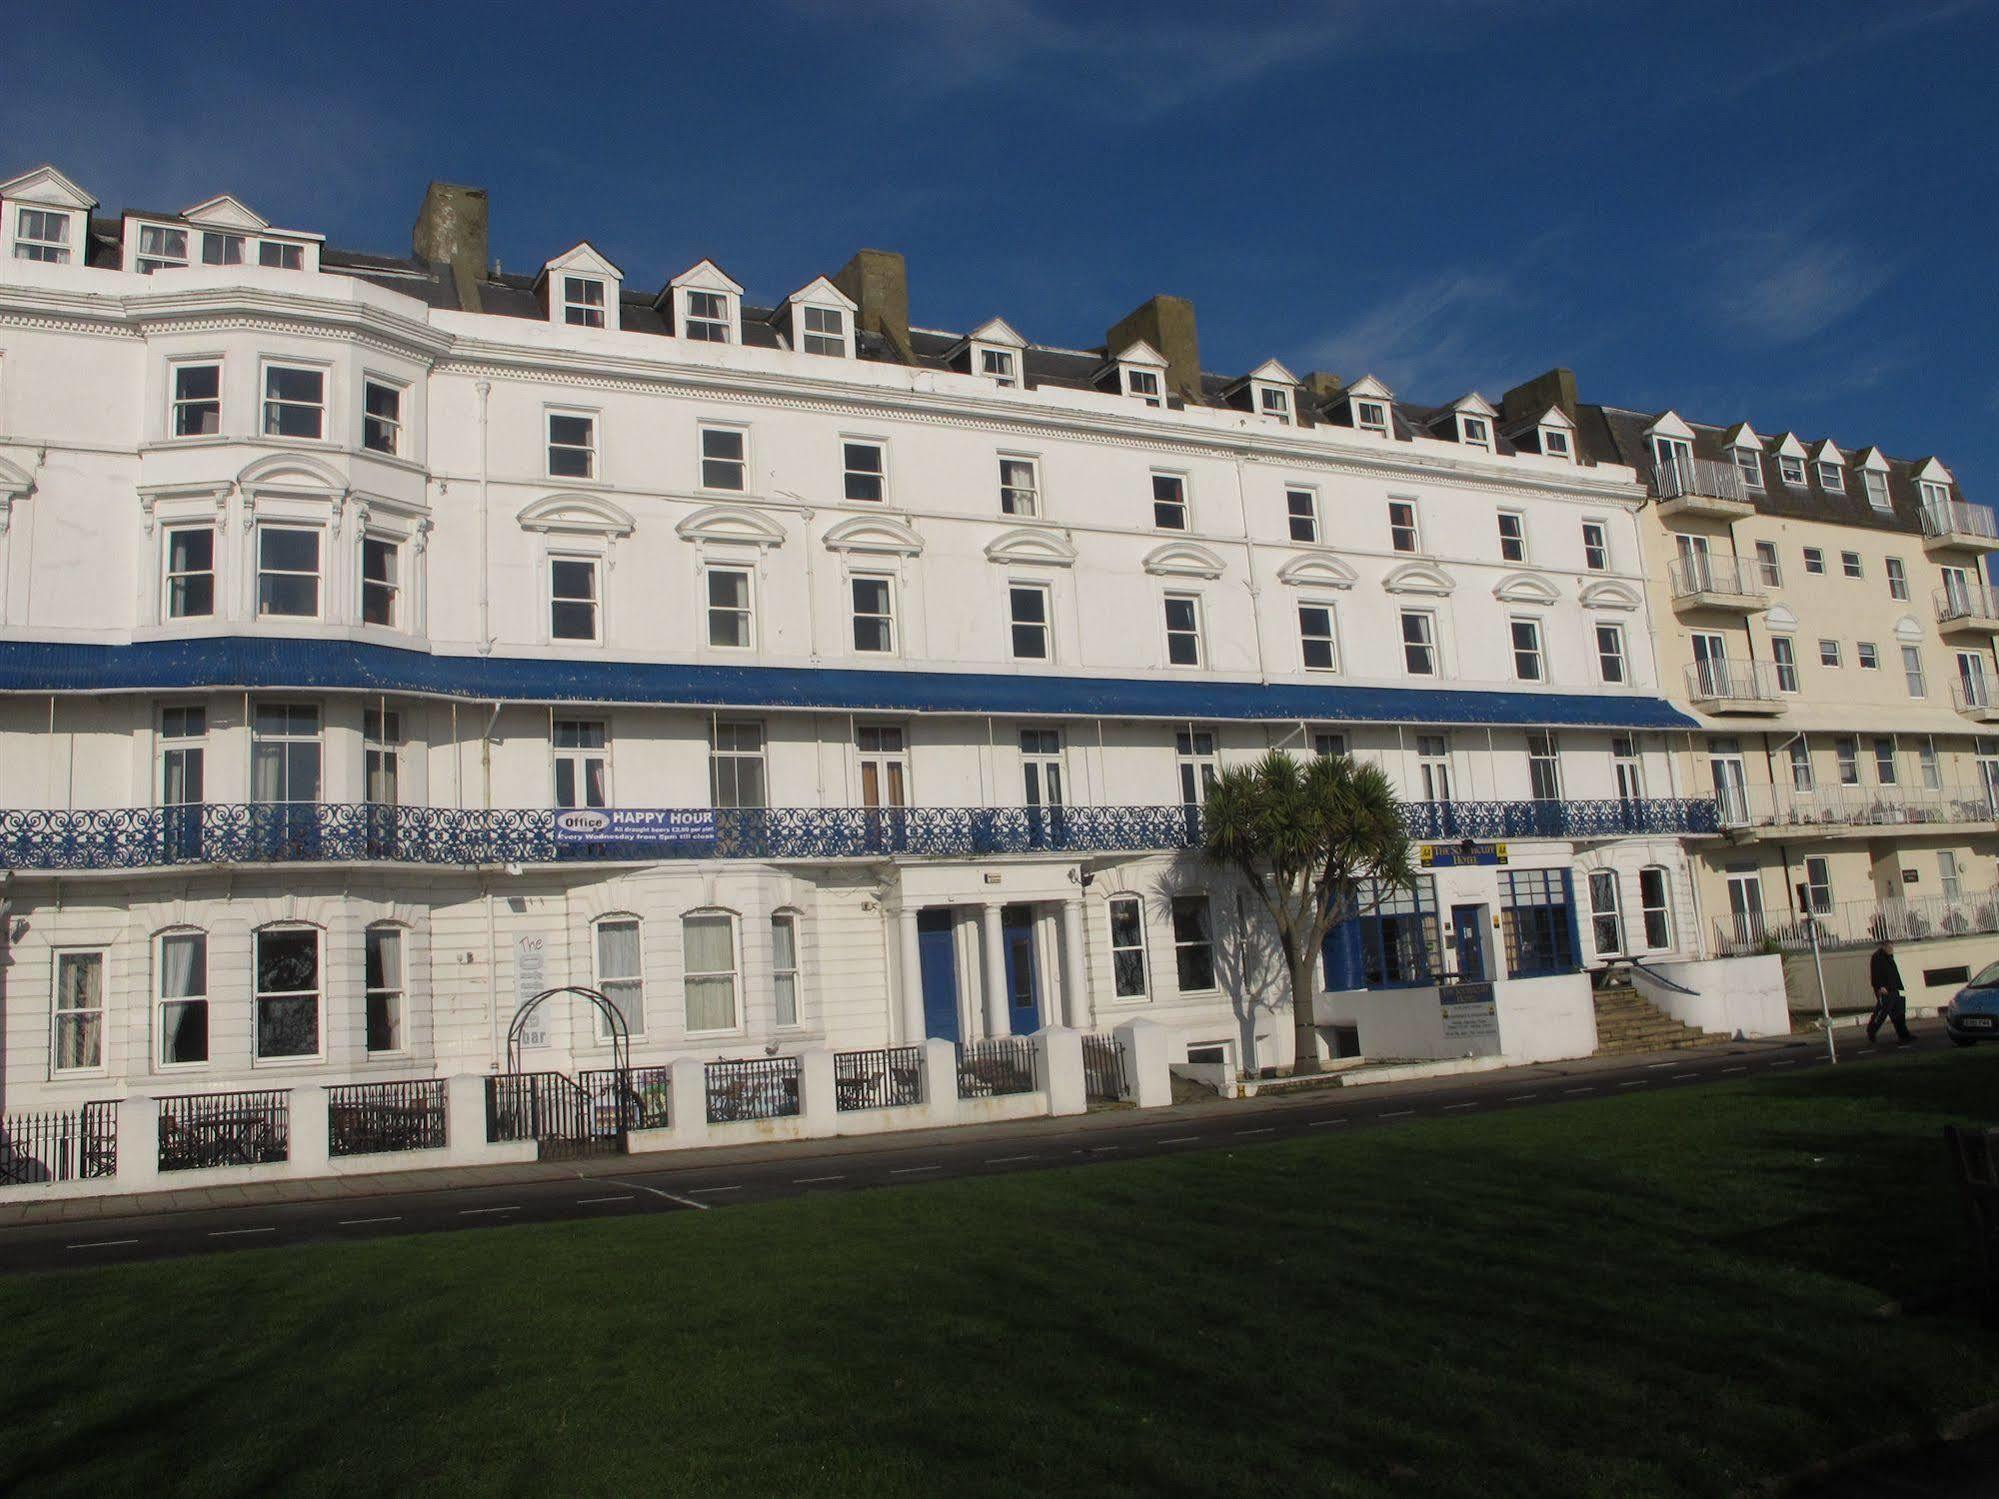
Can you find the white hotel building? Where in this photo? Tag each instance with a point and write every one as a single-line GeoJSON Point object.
{"type": "Point", "coordinates": [329, 580]}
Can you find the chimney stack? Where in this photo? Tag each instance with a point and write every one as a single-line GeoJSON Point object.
{"type": "Point", "coordinates": [1322, 388]}
{"type": "Point", "coordinates": [1167, 323]}
{"type": "Point", "coordinates": [451, 230]}
{"type": "Point", "coordinates": [878, 283]}
{"type": "Point", "coordinates": [1556, 388]}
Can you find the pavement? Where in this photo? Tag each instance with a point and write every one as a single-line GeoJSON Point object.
{"type": "Point", "coordinates": [88, 1231]}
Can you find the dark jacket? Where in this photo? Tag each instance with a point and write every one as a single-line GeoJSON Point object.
{"type": "Point", "coordinates": [1882, 972]}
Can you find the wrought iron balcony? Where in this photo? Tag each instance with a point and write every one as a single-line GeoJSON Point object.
{"type": "Point", "coordinates": [289, 833]}
{"type": "Point", "coordinates": [1956, 525]}
{"type": "Point", "coordinates": [1732, 685]}
{"type": "Point", "coordinates": [1701, 486]}
{"type": "Point", "coordinates": [1717, 583]}
{"type": "Point", "coordinates": [1967, 609]}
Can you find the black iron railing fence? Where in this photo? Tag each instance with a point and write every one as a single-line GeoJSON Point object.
{"type": "Point", "coordinates": [991, 1069]}
{"type": "Point", "coordinates": [752, 1088]}
{"type": "Point", "coordinates": [535, 1106]}
{"type": "Point", "coordinates": [1103, 1069]}
{"type": "Point", "coordinates": [628, 1098]}
{"type": "Point", "coordinates": [59, 1145]}
{"type": "Point", "coordinates": [225, 1129]}
{"type": "Point", "coordinates": [880, 1079]}
{"type": "Point", "coordinates": [377, 1118]}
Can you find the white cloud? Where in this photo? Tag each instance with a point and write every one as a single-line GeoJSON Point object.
{"type": "Point", "coordinates": [1784, 285]}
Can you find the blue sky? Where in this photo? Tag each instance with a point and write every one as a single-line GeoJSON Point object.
{"type": "Point", "coordinates": [1785, 212]}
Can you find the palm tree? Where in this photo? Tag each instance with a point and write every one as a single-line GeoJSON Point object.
{"type": "Point", "coordinates": [1312, 841]}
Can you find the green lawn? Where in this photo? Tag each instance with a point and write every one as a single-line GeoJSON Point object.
{"type": "Point", "coordinates": [1676, 1293]}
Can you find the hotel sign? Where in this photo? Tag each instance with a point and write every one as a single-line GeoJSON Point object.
{"type": "Point", "coordinates": [1458, 855]}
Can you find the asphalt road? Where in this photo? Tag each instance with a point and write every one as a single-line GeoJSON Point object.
{"type": "Point", "coordinates": [682, 1182]}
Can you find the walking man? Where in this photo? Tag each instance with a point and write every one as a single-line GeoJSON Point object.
{"type": "Point", "coordinates": [1889, 1002]}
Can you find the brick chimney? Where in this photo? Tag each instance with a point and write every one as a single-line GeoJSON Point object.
{"type": "Point", "coordinates": [451, 230]}
{"type": "Point", "coordinates": [1167, 323]}
{"type": "Point", "coordinates": [878, 283]}
{"type": "Point", "coordinates": [1556, 388]}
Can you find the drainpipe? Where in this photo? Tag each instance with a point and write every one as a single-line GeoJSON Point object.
{"type": "Point", "coordinates": [1249, 568]}
{"type": "Point", "coordinates": [492, 984]}
{"type": "Point", "coordinates": [485, 388]}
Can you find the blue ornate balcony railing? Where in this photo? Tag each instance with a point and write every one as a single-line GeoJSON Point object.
{"type": "Point", "coordinates": [265, 833]}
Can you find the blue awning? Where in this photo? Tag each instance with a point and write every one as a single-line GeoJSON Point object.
{"type": "Point", "coordinates": [265, 663]}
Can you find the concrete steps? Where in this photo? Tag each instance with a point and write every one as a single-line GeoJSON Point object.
{"type": "Point", "coordinates": [1627, 1026]}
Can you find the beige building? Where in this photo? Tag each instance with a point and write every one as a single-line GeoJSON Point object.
{"type": "Point", "coordinates": [1823, 613]}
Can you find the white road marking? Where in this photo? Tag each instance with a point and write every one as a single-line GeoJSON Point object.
{"type": "Point", "coordinates": [357, 1222]}
{"type": "Point", "coordinates": [1396, 1114]}
{"type": "Point", "coordinates": [1789, 1062]}
{"type": "Point", "coordinates": [1637, 1082]}
{"type": "Point", "coordinates": [1735, 1069]}
{"type": "Point", "coordinates": [1176, 1140]}
{"type": "Point", "coordinates": [1322, 1123]}
{"type": "Point", "coordinates": [475, 1212]}
{"type": "Point", "coordinates": [1008, 1160]}
{"type": "Point", "coordinates": [101, 1244]}
{"type": "Point", "coordinates": [1522, 1097]}
{"type": "Point", "coordinates": [806, 1181]}
{"type": "Point", "coordinates": [1655, 1066]}
{"type": "Point", "coordinates": [686, 1202]}
{"type": "Point", "coordinates": [1579, 1090]}
{"type": "Point", "coordinates": [234, 1233]}
{"type": "Point", "coordinates": [1268, 1129]}
{"type": "Point", "coordinates": [1100, 1149]}
{"type": "Point", "coordinates": [584, 1202]}
{"type": "Point", "coordinates": [902, 1171]}
{"type": "Point", "coordinates": [1680, 1077]}
{"type": "Point", "coordinates": [1449, 1106]}
{"type": "Point", "coordinates": [736, 1187]}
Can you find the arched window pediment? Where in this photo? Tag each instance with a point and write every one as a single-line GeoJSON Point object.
{"type": "Point", "coordinates": [1525, 588]}
{"type": "Point", "coordinates": [730, 523]}
{"type": "Point", "coordinates": [1315, 570]}
{"type": "Point", "coordinates": [582, 513]}
{"type": "Point", "coordinates": [1183, 559]}
{"type": "Point", "coordinates": [1024, 544]}
{"type": "Point", "coordinates": [292, 473]}
{"type": "Point", "coordinates": [871, 533]}
{"type": "Point", "coordinates": [1419, 577]}
{"type": "Point", "coordinates": [1610, 596]}
{"type": "Point", "coordinates": [1907, 631]}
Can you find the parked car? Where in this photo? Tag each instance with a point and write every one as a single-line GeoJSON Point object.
{"type": "Point", "coordinates": [1973, 1012]}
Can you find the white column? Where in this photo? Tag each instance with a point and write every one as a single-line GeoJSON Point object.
{"type": "Point", "coordinates": [912, 978]}
{"type": "Point", "coordinates": [1075, 971]}
{"type": "Point", "coordinates": [997, 1023]}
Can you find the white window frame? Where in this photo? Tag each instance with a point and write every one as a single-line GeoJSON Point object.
{"type": "Point", "coordinates": [1434, 768]}
{"type": "Point", "coordinates": [1540, 646]}
{"type": "Point", "coordinates": [1790, 471]}
{"type": "Point", "coordinates": [1556, 443]}
{"type": "Point", "coordinates": [1818, 884]}
{"type": "Point", "coordinates": [1599, 629]}
{"type": "Point", "coordinates": [1814, 562]}
{"type": "Point", "coordinates": [176, 402]}
{"type": "Point", "coordinates": [1866, 655]}
{"type": "Point", "coordinates": [280, 255]}
{"type": "Point", "coordinates": [1198, 632]}
{"type": "Point", "coordinates": [1768, 563]}
{"type": "Point", "coordinates": [1275, 402]}
{"type": "Point", "coordinates": [1414, 526]}
{"type": "Point", "coordinates": [1214, 965]}
{"type": "Point", "coordinates": [1664, 910]}
{"type": "Point", "coordinates": [394, 585]}
{"type": "Point", "coordinates": [887, 615]}
{"type": "Point", "coordinates": [1330, 637]}
{"type": "Point", "coordinates": [393, 426]}
{"type": "Point", "coordinates": [597, 602]}
{"type": "Point", "coordinates": [1898, 578]}
{"type": "Point", "coordinates": [101, 1010]}
{"type": "Point", "coordinates": [725, 316]}
{"type": "Point", "coordinates": [318, 573]}
{"type": "Point", "coordinates": [733, 973]}
{"type": "Point", "coordinates": [1143, 994]}
{"type": "Point", "coordinates": [850, 472]}
{"type": "Point", "coordinates": [1371, 416]}
{"type": "Point", "coordinates": [1748, 463]}
{"type": "Point", "coordinates": [258, 994]}
{"type": "Point", "coordinates": [1015, 588]}
{"type": "Point", "coordinates": [1935, 494]}
{"type": "Point", "coordinates": [161, 1000]}
{"type": "Point", "coordinates": [1596, 557]}
{"type": "Point", "coordinates": [1913, 675]}
{"type": "Point", "coordinates": [635, 982]}
{"type": "Point", "coordinates": [168, 575]}
{"type": "Point", "coordinates": [229, 247]}
{"type": "Point", "coordinates": [1875, 483]}
{"type": "Point", "coordinates": [1785, 661]}
{"type": "Point", "coordinates": [578, 307]}
{"type": "Point", "coordinates": [1164, 506]}
{"type": "Point", "coordinates": [1474, 431]}
{"type": "Point", "coordinates": [580, 757]}
{"type": "Point", "coordinates": [734, 756]}
{"type": "Point", "coordinates": [741, 463]}
{"type": "Point", "coordinates": [1518, 540]}
{"type": "Point", "coordinates": [266, 401]}
{"type": "Point", "coordinates": [1022, 501]}
{"type": "Point", "coordinates": [394, 989]}
{"type": "Point", "coordinates": [1001, 366]}
{"type": "Point", "coordinates": [812, 340]}
{"type": "Point", "coordinates": [1829, 654]}
{"type": "Point", "coordinates": [782, 974]}
{"type": "Point", "coordinates": [1309, 513]}
{"type": "Point", "coordinates": [1832, 476]}
{"type": "Point", "coordinates": [745, 612]}
{"type": "Point", "coordinates": [39, 246]}
{"type": "Point", "coordinates": [1852, 566]}
{"type": "Point", "coordinates": [1147, 385]}
{"type": "Point", "coordinates": [592, 457]}
{"type": "Point", "coordinates": [1430, 643]}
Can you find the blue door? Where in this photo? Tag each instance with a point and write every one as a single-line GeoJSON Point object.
{"type": "Point", "coordinates": [1468, 927]}
{"type": "Point", "coordinates": [1017, 937]}
{"type": "Point", "coordinates": [938, 958]}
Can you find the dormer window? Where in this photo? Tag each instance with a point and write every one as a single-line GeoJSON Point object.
{"type": "Point", "coordinates": [221, 249]}
{"type": "Point", "coordinates": [1555, 444]}
{"type": "Point", "coordinates": [1749, 463]}
{"type": "Point", "coordinates": [1144, 386]}
{"type": "Point", "coordinates": [825, 331]}
{"type": "Point", "coordinates": [707, 317]}
{"type": "Point", "coordinates": [1877, 488]}
{"type": "Point", "coordinates": [1832, 478]}
{"type": "Point", "coordinates": [583, 301]}
{"type": "Point", "coordinates": [1791, 471]}
{"type": "Point", "coordinates": [1141, 373]}
{"type": "Point", "coordinates": [998, 366]}
{"type": "Point", "coordinates": [1475, 432]}
{"type": "Point", "coordinates": [1935, 496]}
{"type": "Point", "coordinates": [41, 234]}
{"type": "Point", "coordinates": [1672, 455]}
{"type": "Point", "coordinates": [276, 255]}
{"type": "Point", "coordinates": [1371, 416]}
{"type": "Point", "coordinates": [162, 247]}
{"type": "Point", "coordinates": [1274, 401]}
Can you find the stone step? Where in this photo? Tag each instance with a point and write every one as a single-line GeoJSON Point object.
{"type": "Point", "coordinates": [1627, 1025]}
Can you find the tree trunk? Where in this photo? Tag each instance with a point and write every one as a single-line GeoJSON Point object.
{"type": "Point", "coordinates": [1304, 989]}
